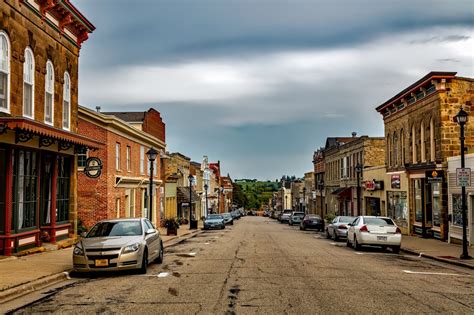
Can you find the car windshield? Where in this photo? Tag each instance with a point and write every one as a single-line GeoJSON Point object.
{"type": "Point", "coordinates": [378, 221]}
{"type": "Point", "coordinates": [119, 228]}
{"type": "Point", "coordinates": [313, 217]}
{"type": "Point", "coordinates": [346, 219]}
{"type": "Point", "coordinates": [298, 214]}
{"type": "Point", "coordinates": [227, 215]}
{"type": "Point", "coordinates": [215, 217]}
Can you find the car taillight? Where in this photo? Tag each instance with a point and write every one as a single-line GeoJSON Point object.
{"type": "Point", "coordinates": [342, 227]}
{"type": "Point", "coordinates": [363, 228]}
{"type": "Point", "coordinates": [398, 231]}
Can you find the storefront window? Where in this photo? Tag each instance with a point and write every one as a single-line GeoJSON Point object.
{"type": "Point", "coordinates": [46, 188]}
{"type": "Point", "coordinates": [457, 210]}
{"type": "Point", "coordinates": [418, 200]}
{"type": "Point", "coordinates": [63, 184]}
{"type": "Point", "coordinates": [3, 168]}
{"type": "Point", "coordinates": [25, 178]}
{"type": "Point", "coordinates": [372, 205]}
{"type": "Point", "coordinates": [397, 207]}
{"type": "Point", "coordinates": [437, 203]}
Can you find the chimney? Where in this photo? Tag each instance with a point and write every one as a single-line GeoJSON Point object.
{"type": "Point", "coordinates": [354, 134]}
{"type": "Point", "coordinates": [97, 108]}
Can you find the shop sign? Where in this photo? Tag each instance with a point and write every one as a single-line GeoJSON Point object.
{"type": "Point", "coordinates": [463, 177]}
{"type": "Point", "coordinates": [434, 177]}
{"type": "Point", "coordinates": [93, 167]}
{"type": "Point", "coordinates": [373, 185]}
{"type": "Point", "coordinates": [395, 180]}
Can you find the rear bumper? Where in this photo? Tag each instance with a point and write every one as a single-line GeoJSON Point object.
{"type": "Point", "coordinates": [375, 239]}
{"type": "Point", "coordinates": [341, 232]}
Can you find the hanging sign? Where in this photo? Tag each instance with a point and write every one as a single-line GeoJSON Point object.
{"type": "Point", "coordinates": [434, 177]}
{"type": "Point", "coordinates": [93, 167]}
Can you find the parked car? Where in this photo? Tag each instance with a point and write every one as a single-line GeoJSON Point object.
{"type": "Point", "coordinates": [372, 230]}
{"type": "Point", "coordinates": [296, 218]}
{"type": "Point", "coordinates": [228, 220]}
{"type": "Point", "coordinates": [285, 216]}
{"type": "Point", "coordinates": [214, 221]}
{"type": "Point", "coordinates": [117, 245]}
{"type": "Point", "coordinates": [338, 227]}
{"type": "Point", "coordinates": [235, 215]}
{"type": "Point", "coordinates": [312, 221]}
{"type": "Point", "coordinates": [275, 214]}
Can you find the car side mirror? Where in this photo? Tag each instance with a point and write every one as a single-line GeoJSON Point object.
{"type": "Point", "coordinates": [83, 234]}
{"type": "Point", "coordinates": [150, 231]}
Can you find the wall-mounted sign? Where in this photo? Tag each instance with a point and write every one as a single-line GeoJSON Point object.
{"type": "Point", "coordinates": [434, 176]}
{"type": "Point", "coordinates": [93, 167]}
{"type": "Point", "coordinates": [373, 185]}
{"type": "Point", "coordinates": [395, 180]}
{"type": "Point", "coordinates": [463, 177]}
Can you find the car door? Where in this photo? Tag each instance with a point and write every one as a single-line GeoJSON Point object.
{"type": "Point", "coordinates": [352, 228]}
{"type": "Point", "coordinates": [334, 226]}
{"type": "Point", "coordinates": [152, 240]}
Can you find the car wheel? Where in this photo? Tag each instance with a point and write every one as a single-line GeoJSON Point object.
{"type": "Point", "coordinates": [355, 244]}
{"type": "Point", "coordinates": [144, 265]}
{"type": "Point", "coordinates": [222, 227]}
{"type": "Point", "coordinates": [384, 248]}
{"type": "Point", "coordinates": [396, 249]}
{"type": "Point", "coordinates": [335, 238]}
{"type": "Point", "coordinates": [159, 259]}
{"type": "Point", "coordinates": [301, 228]}
{"type": "Point", "coordinates": [348, 243]}
{"type": "Point", "coordinates": [328, 236]}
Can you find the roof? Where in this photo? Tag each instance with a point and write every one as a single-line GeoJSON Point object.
{"type": "Point", "coordinates": [332, 141]}
{"type": "Point", "coordinates": [128, 116]}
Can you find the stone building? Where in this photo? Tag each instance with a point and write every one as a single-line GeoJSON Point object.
{"type": "Point", "coordinates": [39, 55]}
{"type": "Point", "coordinates": [421, 134]}
{"type": "Point", "coordinates": [309, 198]}
{"type": "Point", "coordinates": [122, 190]}
{"type": "Point", "coordinates": [319, 167]}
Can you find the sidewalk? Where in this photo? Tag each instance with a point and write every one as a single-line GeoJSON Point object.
{"type": "Point", "coordinates": [437, 250]}
{"type": "Point", "coordinates": [31, 272]}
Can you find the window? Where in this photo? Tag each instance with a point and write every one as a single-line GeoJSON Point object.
{"type": "Point", "coordinates": [4, 73]}
{"type": "Point", "coordinates": [28, 84]}
{"type": "Point", "coordinates": [117, 207]}
{"type": "Point", "coordinates": [128, 157]}
{"type": "Point", "coordinates": [155, 166]}
{"type": "Point", "coordinates": [3, 170]}
{"type": "Point", "coordinates": [62, 190]}
{"type": "Point", "coordinates": [397, 207]}
{"type": "Point", "coordinates": [413, 144]}
{"type": "Point", "coordinates": [117, 156]}
{"type": "Point", "coordinates": [432, 142]}
{"type": "Point", "coordinates": [81, 159]}
{"type": "Point", "coordinates": [422, 144]}
{"type": "Point", "coordinates": [49, 94]}
{"type": "Point", "coordinates": [402, 147]}
{"type": "Point", "coordinates": [457, 209]}
{"type": "Point", "coordinates": [395, 149]}
{"type": "Point", "coordinates": [67, 102]}
{"type": "Point", "coordinates": [142, 160]}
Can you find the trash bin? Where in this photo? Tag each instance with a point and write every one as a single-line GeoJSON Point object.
{"type": "Point", "coordinates": [193, 225]}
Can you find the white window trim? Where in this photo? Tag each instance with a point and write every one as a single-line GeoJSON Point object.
{"type": "Point", "coordinates": [142, 160]}
{"type": "Point", "coordinates": [117, 156]}
{"type": "Point", "coordinates": [28, 50]}
{"type": "Point", "coordinates": [8, 72]}
{"type": "Point", "coordinates": [66, 75]}
{"type": "Point", "coordinates": [51, 123]}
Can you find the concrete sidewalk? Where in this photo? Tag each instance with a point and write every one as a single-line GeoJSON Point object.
{"type": "Point", "coordinates": [437, 250]}
{"type": "Point", "coordinates": [22, 274]}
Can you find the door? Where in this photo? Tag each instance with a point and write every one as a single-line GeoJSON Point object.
{"type": "Point", "coordinates": [46, 188]}
{"type": "Point", "coordinates": [152, 241]}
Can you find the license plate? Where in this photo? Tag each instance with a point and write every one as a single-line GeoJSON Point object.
{"type": "Point", "coordinates": [101, 262]}
{"type": "Point", "coordinates": [381, 238]}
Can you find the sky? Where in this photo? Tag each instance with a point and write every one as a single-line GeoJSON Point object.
{"type": "Point", "coordinates": [261, 84]}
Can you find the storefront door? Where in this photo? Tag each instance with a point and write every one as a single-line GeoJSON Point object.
{"type": "Point", "coordinates": [372, 206]}
{"type": "Point", "coordinates": [47, 165]}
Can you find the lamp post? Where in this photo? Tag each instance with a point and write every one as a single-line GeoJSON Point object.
{"type": "Point", "coordinates": [461, 119]}
{"type": "Point", "coordinates": [151, 154]}
{"type": "Point", "coordinates": [321, 187]}
{"type": "Point", "coordinates": [190, 177]}
{"type": "Point", "coordinates": [286, 202]}
{"type": "Point", "coordinates": [207, 206]}
{"type": "Point", "coordinates": [304, 200]}
{"type": "Point", "coordinates": [358, 169]}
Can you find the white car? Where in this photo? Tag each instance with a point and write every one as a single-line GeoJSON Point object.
{"type": "Point", "coordinates": [372, 230]}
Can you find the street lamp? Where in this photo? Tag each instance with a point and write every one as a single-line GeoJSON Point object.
{"type": "Point", "coordinates": [358, 170]}
{"type": "Point", "coordinates": [461, 119]}
{"type": "Point", "coordinates": [190, 177]}
{"type": "Point", "coordinates": [151, 154]}
{"type": "Point", "coordinates": [304, 200]}
{"type": "Point", "coordinates": [321, 187]}
{"type": "Point", "coordinates": [207, 206]}
{"type": "Point", "coordinates": [219, 191]}
{"type": "Point", "coordinates": [286, 203]}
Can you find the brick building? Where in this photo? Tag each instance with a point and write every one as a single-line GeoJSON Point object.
{"type": "Point", "coordinates": [123, 188]}
{"type": "Point", "coordinates": [319, 167]}
{"type": "Point", "coordinates": [39, 54]}
{"type": "Point", "coordinates": [421, 135]}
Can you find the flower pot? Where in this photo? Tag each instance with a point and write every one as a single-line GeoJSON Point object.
{"type": "Point", "coordinates": [171, 231]}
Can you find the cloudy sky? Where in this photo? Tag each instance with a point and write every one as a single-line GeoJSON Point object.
{"type": "Point", "coordinates": [260, 84]}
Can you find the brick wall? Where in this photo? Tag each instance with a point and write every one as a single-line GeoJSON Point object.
{"type": "Point", "coordinates": [154, 125]}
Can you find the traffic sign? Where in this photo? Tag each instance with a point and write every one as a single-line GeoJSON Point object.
{"type": "Point", "coordinates": [463, 177]}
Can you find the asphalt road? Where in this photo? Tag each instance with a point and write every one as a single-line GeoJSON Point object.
{"type": "Point", "coordinates": [261, 266]}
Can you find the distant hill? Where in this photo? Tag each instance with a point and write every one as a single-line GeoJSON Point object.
{"type": "Point", "coordinates": [253, 193]}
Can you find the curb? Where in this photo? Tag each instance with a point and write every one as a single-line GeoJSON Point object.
{"type": "Point", "coordinates": [37, 284]}
{"type": "Point", "coordinates": [444, 260]}
{"type": "Point", "coordinates": [176, 240]}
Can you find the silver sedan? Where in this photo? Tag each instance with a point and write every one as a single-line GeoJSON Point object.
{"type": "Point", "coordinates": [338, 227]}
{"type": "Point", "coordinates": [118, 245]}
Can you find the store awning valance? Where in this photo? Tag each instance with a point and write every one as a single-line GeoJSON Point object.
{"type": "Point", "coordinates": [183, 195]}
{"type": "Point", "coordinates": [343, 192]}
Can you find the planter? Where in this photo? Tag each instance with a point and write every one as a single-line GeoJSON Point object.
{"type": "Point", "coordinates": [171, 231]}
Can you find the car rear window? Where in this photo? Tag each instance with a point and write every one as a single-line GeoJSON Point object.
{"type": "Point", "coordinates": [378, 221]}
{"type": "Point", "coordinates": [346, 219]}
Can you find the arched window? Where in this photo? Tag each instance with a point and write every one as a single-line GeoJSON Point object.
{"type": "Point", "coordinates": [422, 142]}
{"type": "Point", "coordinates": [395, 149]}
{"type": "Point", "coordinates": [49, 94]}
{"type": "Point", "coordinates": [4, 73]}
{"type": "Point", "coordinates": [402, 147]}
{"type": "Point", "coordinates": [413, 144]}
{"type": "Point", "coordinates": [432, 142]}
{"type": "Point", "coordinates": [67, 102]}
{"type": "Point", "coordinates": [29, 84]}
{"type": "Point", "coordinates": [389, 150]}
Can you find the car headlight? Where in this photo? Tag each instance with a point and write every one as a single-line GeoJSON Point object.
{"type": "Point", "coordinates": [78, 251]}
{"type": "Point", "coordinates": [131, 248]}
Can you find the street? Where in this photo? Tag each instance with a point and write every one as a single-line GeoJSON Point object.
{"type": "Point", "coordinates": [261, 266]}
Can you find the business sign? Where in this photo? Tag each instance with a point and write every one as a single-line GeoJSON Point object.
{"type": "Point", "coordinates": [395, 180]}
{"type": "Point", "coordinates": [463, 177]}
{"type": "Point", "coordinates": [373, 185]}
{"type": "Point", "coordinates": [434, 177]}
{"type": "Point", "coordinates": [93, 167]}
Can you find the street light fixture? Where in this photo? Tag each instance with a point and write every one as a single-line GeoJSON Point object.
{"type": "Point", "coordinates": [461, 119]}
{"type": "Point", "coordinates": [151, 154]}
{"type": "Point", "coordinates": [207, 206]}
{"type": "Point", "coordinates": [286, 202]}
{"type": "Point", "coordinates": [358, 170]}
{"type": "Point", "coordinates": [321, 187]}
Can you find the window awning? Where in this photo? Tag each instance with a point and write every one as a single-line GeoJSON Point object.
{"type": "Point", "coordinates": [343, 192]}
{"type": "Point", "coordinates": [183, 195]}
{"type": "Point", "coordinates": [26, 128]}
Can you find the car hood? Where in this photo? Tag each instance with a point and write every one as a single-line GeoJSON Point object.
{"type": "Point", "coordinates": [110, 241]}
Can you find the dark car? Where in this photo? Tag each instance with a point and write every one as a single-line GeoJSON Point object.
{"type": "Point", "coordinates": [312, 221]}
{"type": "Point", "coordinates": [214, 221]}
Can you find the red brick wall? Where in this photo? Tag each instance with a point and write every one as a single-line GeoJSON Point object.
{"type": "Point", "coordinates": [97, 197]}
{"type": "Point", "coordinates": [154, 125]}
